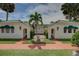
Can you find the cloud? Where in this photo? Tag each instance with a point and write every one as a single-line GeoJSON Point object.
{"type": "Point", "coordinates": [17, 16]}
{"type": "Point", "coordinates": [50, 12]}
{"type": "Point", "coordinates": [1, 11]}
{"type": "Point", "coordinates": [2, 14]}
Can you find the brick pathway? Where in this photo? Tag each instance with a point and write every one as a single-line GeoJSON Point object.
{"type": "Point", "coordinates": [19, 45]}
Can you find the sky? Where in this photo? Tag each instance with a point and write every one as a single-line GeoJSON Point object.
{"type": "Point", "coordinates": [50, 12]}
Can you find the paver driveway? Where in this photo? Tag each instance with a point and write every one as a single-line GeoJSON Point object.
{"type": "Point", "coordinates": [19, 45]}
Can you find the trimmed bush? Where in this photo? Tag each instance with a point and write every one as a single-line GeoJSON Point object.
{"type": "Point", "coordinates": [46, 34]}
{"type": "Point", "coordinates": [65, 39]}
{"type": "Point", "coordinates": [75, 39]}
{"type": "Point", "coordinates": [9, 39]}
{"type": "Point", "coordinates": [32, 34]}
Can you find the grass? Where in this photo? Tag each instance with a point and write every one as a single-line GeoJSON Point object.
{"type": "Point", "coordinates": [35, 52]}
{"type": "Point", "coordinates": [8, 41]}
{"type": "Point", "coordinates": [45, 40]}
{"type": "Point", "coordinates": [68, 41]}
{"type": "Point", "coordinates": [48, 41]}
{"type": "Point", "coordinates": [28, 42]}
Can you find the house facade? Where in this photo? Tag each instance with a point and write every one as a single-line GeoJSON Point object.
{"type": "Point", "coordinates": [62, 29]}
{"type": "Point", "coordinates": [14, 29]}
{"type": "Point", "coordinates": [18, 29]}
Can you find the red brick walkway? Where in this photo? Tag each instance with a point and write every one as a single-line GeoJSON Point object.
{"type": "Point", "coordinates": [19, 45]}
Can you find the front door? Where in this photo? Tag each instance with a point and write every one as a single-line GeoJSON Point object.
{"type": "Point", "coordinates": [24, 33]}
{"type": "Point", "coordinates": [52, 33]}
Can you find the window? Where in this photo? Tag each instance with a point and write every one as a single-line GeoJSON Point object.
{"type": "Point", "coordinates": [57, 28]}
{"type": "Point", "coordinates": [20, 27]}
{"type": "Point", "coordinates": [25, 30]}
{"type": "Point", "coordinates": [65, 30]}
{"type": "Point", "coordinates": [69, 30]}
{"type": "Point", "coordinates": [2, 30]}
{"type": "Point", "coordinates": [51, 30]}
{"type": "Point", "coordinates": [74, 30]}
{"type": "Point", "coordinates": [12, 30]}
{"type": "Point", "coordinates": [7, 30]}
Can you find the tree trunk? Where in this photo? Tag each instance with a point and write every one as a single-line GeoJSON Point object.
{"type": "Point", "coordinates": [38, 40]}
{"type": "Point", "coordinates": [7, 16]}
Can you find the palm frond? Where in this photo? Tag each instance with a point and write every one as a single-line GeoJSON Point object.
{"type": "Point", "coordinates": [36, 17]}
{"type": "Point", "coordinates": [30, 21]}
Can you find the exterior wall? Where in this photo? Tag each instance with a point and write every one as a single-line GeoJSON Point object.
{"type": "Point", "coordinates": [39, 30]}
{"type": "Point", "coordinates": [26, 26]}
{"type": "Point", "coordinates": [18, 34]}
{"type": "Point", "coordinates": [59, 34]}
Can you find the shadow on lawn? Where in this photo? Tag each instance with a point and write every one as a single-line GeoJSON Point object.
{"type": "Point", "coordinates": [37, 44]}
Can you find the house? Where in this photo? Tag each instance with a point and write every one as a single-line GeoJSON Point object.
{"type": "Point", "coordinates": [19, 29]}
{"type": "Point", "coordinates": [62, 29]}
{"type": "Point", "coordinates": [14, 29]}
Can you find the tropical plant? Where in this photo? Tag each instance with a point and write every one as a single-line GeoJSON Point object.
{"type": "Point", "coordinates": [75, 39]}
{"type": "Point", "coordinates": [8, 7]}
{"type": "Point", "coordinates": [32, 34]}
{"type": "Point", "coordinates": [35, 20]}
{"type": "Point", "coordinates": [71, 10]}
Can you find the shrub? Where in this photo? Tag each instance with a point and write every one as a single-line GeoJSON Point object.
{"type": "Point", "coordinates": [75, 39]}
{"type": "Point", "coordinates": [64, 39]}
{"type": "Point", "coordinates": [46, 34]}
{"type": "Point", "coordinates": [32, 34]}
{"type": "Point", "coordinates": [9, 39]}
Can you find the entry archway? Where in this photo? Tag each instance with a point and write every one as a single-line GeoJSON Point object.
{"type": "Point", "coordinates": [24, 33]}
{"type": "Point", "coordinates": [52, 33]}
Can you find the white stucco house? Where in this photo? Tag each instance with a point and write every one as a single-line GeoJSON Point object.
{"type": "Point", "coordinates": [19, 29]}
{"type": "Point", "coordinates": [62, 29]}
{"type": "Point", "coordinates": [14, 29]}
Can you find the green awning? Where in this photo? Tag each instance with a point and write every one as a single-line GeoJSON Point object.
{"type": "Point", "coordinates": [1, 26]}
{"type": "Point", "coordinates": [12, 27]}
{"type": "Point", "coordinates": [65, 27]}
{"type": "Point", "coordinates": [76, 27]}
{"type": "Point", "coordinates": [70, 27]}
{"type": "Point", "coordinates": [6, 26]}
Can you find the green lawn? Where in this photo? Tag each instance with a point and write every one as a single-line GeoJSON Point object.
{"type": "Point", "coordinates": [8, 41]}
{"type": "Point", "coordinates": [28, 42]}
{"type": "Point", "coordinates": [46, 41]}
{"type": "Point", "coordinates": [35, 52]}
{"type": "Point", "coordinates": [68, 41]}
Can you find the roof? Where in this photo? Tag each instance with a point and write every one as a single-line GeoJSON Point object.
{"type": "Point", "coordinates": [73, 20]}
{"type": "Point", "coordinates": [16, 21]}
{"type": "Point", "coordinates": [64, 22]}
{"type": "Point", "coordinates": [10, 21]}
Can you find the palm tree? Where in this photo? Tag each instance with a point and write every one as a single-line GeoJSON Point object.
{"type": "Point", "coordinates": [8, 7]}
{"type": "Point", "coordinates": [71, 10]}
{"type": "Point", "coordinates": [34, 20]}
